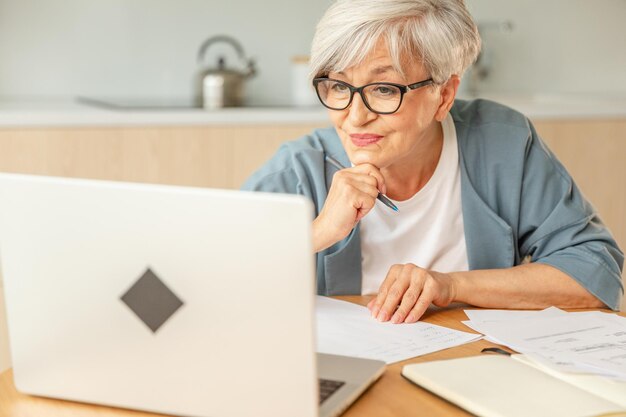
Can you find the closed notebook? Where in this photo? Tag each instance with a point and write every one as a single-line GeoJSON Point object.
{"type": "Point", "coordinates": [500, 386]}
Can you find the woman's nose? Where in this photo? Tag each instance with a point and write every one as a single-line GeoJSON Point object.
{"type": "Point", "coordinates": [359, 113]}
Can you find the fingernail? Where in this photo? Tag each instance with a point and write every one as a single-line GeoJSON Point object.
{"type": "Point", "coordinates": [382, 316]}
{"type": "Point", "coordinates": [409, 319]}
{"type": "Point", "coordinates": [375, 312]}
{"type": "Point", "coordinates": [395, 319]}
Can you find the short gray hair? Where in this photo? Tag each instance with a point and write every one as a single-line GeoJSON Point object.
{"type": "Point", "coordinates": [440, 33]}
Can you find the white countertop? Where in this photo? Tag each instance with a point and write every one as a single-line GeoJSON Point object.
{"type": "Point", "coordinates": [560, 107]}
{"type": "Point", "coordinates": [72, 113]}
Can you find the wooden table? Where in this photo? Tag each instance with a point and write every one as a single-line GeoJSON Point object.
{"type": "Point", "coordinates": [391, 396]}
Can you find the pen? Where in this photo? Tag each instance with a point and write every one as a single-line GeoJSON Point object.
{"type": "Point", "coordinates": [381, 196]}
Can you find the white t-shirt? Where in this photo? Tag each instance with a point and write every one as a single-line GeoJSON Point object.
{"type": "Point", "coordinates": [427, 230]}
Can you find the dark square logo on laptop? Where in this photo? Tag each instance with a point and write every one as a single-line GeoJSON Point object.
{"type": "Point", "coordinates": [151, 300]}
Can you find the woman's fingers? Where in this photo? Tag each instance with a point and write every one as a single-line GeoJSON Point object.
{"type": "Point", "coordinates": [393, 297]}
{"type": "Point", "coordinates": [409, 299]}
{"type": "Point", "coordinates": [393, 273]}
{"type": "Point", "coordinates": [407, 292]}
{"type": "Point", "coordinates": [363, 182]}
{"type": "Point", "coordinates": [373, 172]}
{"type": "Point", "coordinates": [421, 305]}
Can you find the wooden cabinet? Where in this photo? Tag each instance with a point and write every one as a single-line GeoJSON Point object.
{"type": "Point", "coordinates": [220, 157]}
{"type": "Point", "coordinates": [5, 359]}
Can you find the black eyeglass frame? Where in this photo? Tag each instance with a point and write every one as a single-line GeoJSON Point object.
{"type": "Point", "coordinates": [403, 90]}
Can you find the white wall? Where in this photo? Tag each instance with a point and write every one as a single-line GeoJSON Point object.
{"type": "Point", "coordinates": [556, 46]}
{"type": "Point", "coordinates": [145, 47]}
{"type": "Point", "coordinates": [148, 47]}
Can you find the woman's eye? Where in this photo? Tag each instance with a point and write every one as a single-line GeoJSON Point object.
{"type": "Point", "coordinates": [384, 90]}
{"type": "Point", "coordinates": [339, 88]}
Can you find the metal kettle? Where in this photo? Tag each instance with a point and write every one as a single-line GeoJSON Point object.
{"type": "Point", "coordinates": [219, 86]}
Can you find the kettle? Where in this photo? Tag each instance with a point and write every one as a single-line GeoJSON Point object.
{"type": "Point", "coordinates": [219, 86]}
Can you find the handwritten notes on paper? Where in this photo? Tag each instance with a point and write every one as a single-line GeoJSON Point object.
{"type": "Point", "coordinates": [348, 329]}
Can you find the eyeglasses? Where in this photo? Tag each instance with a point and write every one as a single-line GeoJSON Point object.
{"type": "Point", "coordinates": [381, 98]}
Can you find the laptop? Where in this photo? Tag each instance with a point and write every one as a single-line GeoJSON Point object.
{"type": "Point", "coordinates": [176, 300]}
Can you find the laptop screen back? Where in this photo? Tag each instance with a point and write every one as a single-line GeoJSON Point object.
{"type": "Point", "coordinates": [169, 299]}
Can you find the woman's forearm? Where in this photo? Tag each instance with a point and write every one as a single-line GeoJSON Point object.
{"type": "Point", "coordinates": [526, 286]}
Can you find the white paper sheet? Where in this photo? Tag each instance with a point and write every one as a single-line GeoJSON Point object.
{"type": "Point", "coordinates": [501, 315]}
{"type": "Point", "coordinates": [348, 329]}
{"type": "Point", "coordinates": [581, 341]}
{"type": "Point", "coordinates": [477, 317]}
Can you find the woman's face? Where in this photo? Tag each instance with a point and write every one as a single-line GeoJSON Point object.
{"type": "Point", "coordinates": [385, 140]}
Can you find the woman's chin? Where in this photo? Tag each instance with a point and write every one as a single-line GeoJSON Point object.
{"type": "Point", "coordinates": [360, 157]}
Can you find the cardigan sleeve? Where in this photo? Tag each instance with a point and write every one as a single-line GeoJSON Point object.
{"type": "Point", "coordinates": [559, 227]}
{"type": "Point", "coordinates": [276, 176]}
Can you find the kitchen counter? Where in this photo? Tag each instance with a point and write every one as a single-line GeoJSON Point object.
{"type": "Point", "coordinates": [563, 107]}
{"type": "Point", "coordinates": [73, 113]}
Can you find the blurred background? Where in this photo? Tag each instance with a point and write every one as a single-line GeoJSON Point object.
{"type": "Point", "coordinates": [147, 48]}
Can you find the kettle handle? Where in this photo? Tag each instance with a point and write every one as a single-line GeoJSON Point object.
{"type": "Point", "coordinates": [220, 38]}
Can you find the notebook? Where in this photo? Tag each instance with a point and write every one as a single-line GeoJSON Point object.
{"type": "Point", "coordinates": [175, 300]}
{"type": "Point", "coordinates": [503, 386]}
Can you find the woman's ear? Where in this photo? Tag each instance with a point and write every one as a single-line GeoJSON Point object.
{"type": "Point", "coordinates": [447, 93]}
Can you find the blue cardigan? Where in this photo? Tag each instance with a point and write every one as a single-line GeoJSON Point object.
{"type": "Point", "coordinates": [518, 201]}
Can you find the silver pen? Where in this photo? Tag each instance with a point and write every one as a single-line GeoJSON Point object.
{"type": "Point", "coordinates": [382, 197]}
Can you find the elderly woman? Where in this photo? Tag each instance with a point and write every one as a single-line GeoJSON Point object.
{"type": "Point", "coordinates": [486, 215]}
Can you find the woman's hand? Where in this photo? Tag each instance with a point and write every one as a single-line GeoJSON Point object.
{"type": "Point", "coordinates": [407, 292]}
{"type": "Point", "coordinates": [351, 196]}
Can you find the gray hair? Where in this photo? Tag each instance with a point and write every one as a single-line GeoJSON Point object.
{"type": "Point", "coordinates": [440, 33]}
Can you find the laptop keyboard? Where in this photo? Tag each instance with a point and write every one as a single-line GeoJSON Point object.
{"type": "Point", "coordinates": [328, 387]}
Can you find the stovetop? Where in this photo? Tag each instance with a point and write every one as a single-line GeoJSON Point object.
{"type": "Point", "coordinates": [154, 103]}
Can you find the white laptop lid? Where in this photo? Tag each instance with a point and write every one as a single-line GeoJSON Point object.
{"type": "Point", "coordinates": [241, 343]}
